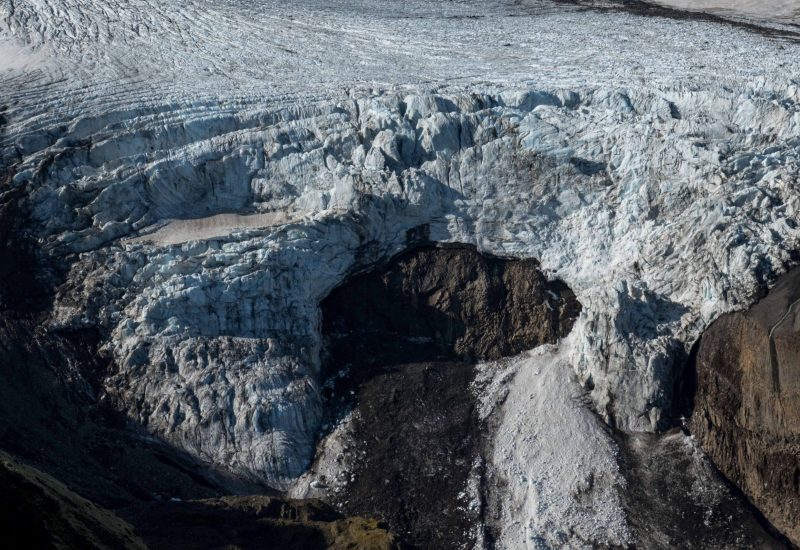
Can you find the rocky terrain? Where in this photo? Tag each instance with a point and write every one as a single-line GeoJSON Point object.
{"type": "Point", "coordinates": [747, 402]}
{"type": "Point", "coordinates": [252, 522]}
{"type": "Point", "coordinates": [186, 188]}
{"type": "Point", "coordinates": [433, 447]}
{"type": "Point", "coordinates": [40, 512]}
{"type": "Point", "coordinates": [400, 363]}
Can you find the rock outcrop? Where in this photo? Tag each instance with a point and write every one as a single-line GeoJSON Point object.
{"type": "Point", "coordinates": [416, 444]}
{"type": "Point", "coordinates": [445, 303]}
{"type": "Point", "coordinates": [747, 402]}
{"type": "Point", "coordinates": [447, 451]}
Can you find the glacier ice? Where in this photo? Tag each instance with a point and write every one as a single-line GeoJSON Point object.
{"type": "Point", "coordinates": [209, 171]}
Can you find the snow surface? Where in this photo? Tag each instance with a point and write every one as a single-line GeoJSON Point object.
{"type": "Point", "coordinates": [767, 9]}
{"type": "Point", "coordinates": [650, 163]}
{"type": "Point", "coordinates": [558, 481]}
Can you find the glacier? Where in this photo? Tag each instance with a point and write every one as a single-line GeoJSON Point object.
{"type": "Point", "coordinates": [206, 172]}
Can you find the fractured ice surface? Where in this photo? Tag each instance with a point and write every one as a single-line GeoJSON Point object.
{"type": "Point", "coordinates": [215, 168]}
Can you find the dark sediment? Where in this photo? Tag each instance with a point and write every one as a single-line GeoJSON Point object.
{"type": "Point", "coordinates": [417, 438]}
{"type": "Point", "coordinates": [747, 402]}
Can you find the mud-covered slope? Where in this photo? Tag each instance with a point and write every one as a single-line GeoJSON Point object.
{"type": "Point", "coordinates": [415, 448]}
{"type": "Point", "coordinates": [747, 402]}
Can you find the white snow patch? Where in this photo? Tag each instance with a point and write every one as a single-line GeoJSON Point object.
{"type": "Point", "coordinates": [554, 466]}
{"type": "Point", "coordinates": [14, 57]}
{"type": "Point", "coordinates": [767, 9]}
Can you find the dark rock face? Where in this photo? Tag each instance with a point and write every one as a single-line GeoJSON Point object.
{"type": "Point", "coordinates": [747, 403]}
{"type": "Point", "coordinates": [401, 344]}
{"type": "Point", "coordinates": [417, 437]}
{"type": "Point", "coordinates": [447, 303]}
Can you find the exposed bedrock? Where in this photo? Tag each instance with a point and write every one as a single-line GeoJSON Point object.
{"type": "Point", "coordinates": [747, 401]}
{"type": "Point", "coordinates": [41, 512]}
{"type": "Point", "coordinates": [402, 339]}
{"type": "Point", "coordinates": [445, 303]}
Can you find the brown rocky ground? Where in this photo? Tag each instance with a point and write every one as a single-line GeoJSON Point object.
{"type": "Point", "coordinates": [445, 303]}
{"type": "Point", "coordinates": [747, 402]}
{"type": "Point", "coordinates": [414, 446]}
